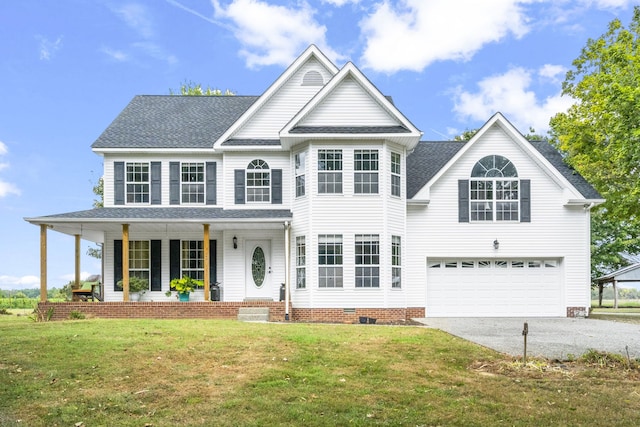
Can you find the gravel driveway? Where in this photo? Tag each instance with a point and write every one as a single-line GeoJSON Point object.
{"type": "Point", "coordinates": [552, 338]}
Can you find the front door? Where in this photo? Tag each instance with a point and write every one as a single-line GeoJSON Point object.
{"type": "Point", "coordinates": [258, 269]}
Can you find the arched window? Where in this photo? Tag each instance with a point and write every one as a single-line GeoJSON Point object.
{"type": "Point", "coordinates": [258, 181]}
{"type": "Point", "coordinates": [312, 78]}
{"type": "Point", "coordinates": [494, 193]}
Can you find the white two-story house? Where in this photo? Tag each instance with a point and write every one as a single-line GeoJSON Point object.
{"type": "Point", "coordinates": [321, 190]}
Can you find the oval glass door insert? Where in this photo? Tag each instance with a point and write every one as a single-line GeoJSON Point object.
{"type": "Point", "coordinates": [258, 262]}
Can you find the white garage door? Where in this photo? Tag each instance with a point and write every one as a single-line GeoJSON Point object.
{"type": "Point", "coordinates": [500, 288]}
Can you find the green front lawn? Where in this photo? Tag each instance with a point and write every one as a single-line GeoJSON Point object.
{"type": "Point", "coordinates": [226, 373]}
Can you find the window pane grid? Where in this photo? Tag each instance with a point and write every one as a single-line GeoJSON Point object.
{"type": "Point", "coordinates": [192, 259]}
{"type": "Point", "coordinates": [137, 180]}
{"type": "Point", "coordinates": [330, 171]}
{"type": "Point", "coordinates": [258, 185]}
{"type": "Point", "coordinates": [396, 261]}
{"type": "Point", "coordinates": [330, 261]}
{"type": "Point", "coordinates": [300, 168]}
{"type": "Point", "coordinates": [139, 255]}
{"type": "Point", "coordinates": [192, 178]}
{"type": "Point", "coordinates": [301, 262]}
{"type": "Point", "coordinates": [494, 199]}
{"type": "Point", "coordinates": [366, 175]}
{"type": "Point", "coordinates": [367, 257]}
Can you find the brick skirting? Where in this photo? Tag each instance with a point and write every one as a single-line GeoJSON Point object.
{"type": "Point", "coordinates": [577, 312]}
{"type": "Point", "coordinates": [222, 310]}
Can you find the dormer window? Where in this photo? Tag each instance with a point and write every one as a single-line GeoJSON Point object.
{"type": "Point", "coordinates": [258, 181]}
{"type": "Point", "coordinates": [312, 78]}
{"type": "Point", "coordinates": [494, 190]}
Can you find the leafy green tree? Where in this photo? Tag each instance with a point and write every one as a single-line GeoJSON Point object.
{"type": "Point", "coordinates": [189, 88]}
{"type": "Point", "coordinates": [600, 135]}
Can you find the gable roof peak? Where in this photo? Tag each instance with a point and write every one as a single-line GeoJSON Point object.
{"type": "Point", "coordinates": [311, 52]}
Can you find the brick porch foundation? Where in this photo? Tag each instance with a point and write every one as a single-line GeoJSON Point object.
{"type": "Point", "coordinates": [222, 310]}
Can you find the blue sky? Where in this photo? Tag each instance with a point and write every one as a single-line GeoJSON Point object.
{"type": "Point", "coordinates": [68, 67]}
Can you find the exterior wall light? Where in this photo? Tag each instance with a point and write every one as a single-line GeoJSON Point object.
{"type": "Point", "coordinates": [496, 244]}
{"type": "Point", "coordinates": [235, 242]}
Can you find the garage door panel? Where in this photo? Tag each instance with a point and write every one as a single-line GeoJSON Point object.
{"type": "Point", "coordinates": [523, 287]}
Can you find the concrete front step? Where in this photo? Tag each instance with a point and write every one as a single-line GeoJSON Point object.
{"type": "Point", "coordinates": [253, 314]}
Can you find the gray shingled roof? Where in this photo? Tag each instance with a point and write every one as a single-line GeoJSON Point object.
{"type": "Point", "coordinates": [173, 121]}
{"type": "Point", "coordinates": [252, 142]}
{"type": "Point", "coordinates": [430, 156]}
{"type": "Point", "coordinates": [169, 214]}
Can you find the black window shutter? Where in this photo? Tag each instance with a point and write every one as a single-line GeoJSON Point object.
{"type": "Point", "coordinates": [118, 183]}
{"type": "Point", "coordinates": [174, 183]}
{"type": "Point", "coordinates": [276, 186]}
{"type": "Point", "coordinates": [239, 186]}
{"type": "Point", "coordinates": [463, 200]}
{"type": "Point", "coordinates": [156, 265]}
{"type": "Point", "coordinates": [525, 200]}
{"type": "Point", "coordinates": [156, 183]}
{"type": "Point", "coordinates": [211, 183]}
{"type": "Point", "coordinates": [213, 274]}
{"type": "Point", "coordinates": [117, 264]}
{"type": "Point", "coordinates": [174, 259]}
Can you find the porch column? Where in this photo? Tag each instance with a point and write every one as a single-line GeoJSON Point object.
{"type": "Point", "coordinates": [125, 262]}
{"type": "Point", "coordinates": [77, 261]}
{"type": "Point", "coordinates": [207, 270]}
{"type": "Point", "coordinates": [43, 262]}
{"type": "Point", "coordinates": [615, 294]}
{"type": "Point", "coordinates": [287, 267]}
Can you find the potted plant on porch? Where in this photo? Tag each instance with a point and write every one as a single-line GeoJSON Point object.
{"type": "Point", "coordinates": [137, 287]}
{"type": "Point", "coordinates": [184, 286]}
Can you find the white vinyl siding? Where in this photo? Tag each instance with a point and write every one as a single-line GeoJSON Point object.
{"type": "Point", "coordinates": [283, 105]}
{"type": "Point", "coordinates": [555, 231]}
{"type": "Point", "coordinates": [349, 105]}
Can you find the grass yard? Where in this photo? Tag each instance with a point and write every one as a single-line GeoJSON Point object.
{"type": "Point", "coordinates": [226, 373]}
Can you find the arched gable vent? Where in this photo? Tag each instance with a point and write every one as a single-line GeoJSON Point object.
{"type": "Point", "coordinates": [312, 78]}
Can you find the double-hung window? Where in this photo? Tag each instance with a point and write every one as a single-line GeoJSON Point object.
{"type": "Point", "coordinates": [192, 182]}
{"type": "Point", "coordinates": [301, 263]}
{"type": "Point", "coordinates": [330, 261]}
{"type": "Point", "coordinates": [330, 171]}
{"type": "Point", "coordinates": [494, 190]}
{"type": "Point", "coordinates": [137, 182]}
{"type": "Point", "coordinates": [192, 259]}
{"type": "Point", "coordinates": [300, 169]}
{"type": "Point", "coordinates": [258, 181]}
{"type": "Point", "coordinates": [139, 259]}
{"type": "Point", "coordinates": [396, 262]}
{"type": "Point", "coordinates": [396, 178]}
{"type": "Point", "coordinates": [367, 261]}
{"type": "Point", "coordinates": [365, 171]}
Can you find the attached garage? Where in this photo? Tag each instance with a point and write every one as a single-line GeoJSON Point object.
{"type": "Point", "coordinates": [498, 288]}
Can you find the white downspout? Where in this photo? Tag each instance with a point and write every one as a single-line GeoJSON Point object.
{"type": "Point", "coordinates": [287, 268]}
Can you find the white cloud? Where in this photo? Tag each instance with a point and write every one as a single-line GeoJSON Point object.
{"type": "Point", "coordinates": [510, 94]}
{"type": "Point", "coordinates": [136, 16]}
{"type": "Point", "coordinates": [411, 34]}
{"type": "Point", "coordinates": [49, 48]}
{"type": "Point", "coordinates": [554, 73]}
{"type": "Point", "coordinates": [24, 282]}
{"type": "Point", "coordinates": [340, 3]}
{"type": "Point", "coordinates": [273, 35]}
{"type": "Point", "coordinates": [115, 54]}
{"type": "Point", "coordinates": [156, 51]}
{"type": "Point", "coordinates": [6, 188]}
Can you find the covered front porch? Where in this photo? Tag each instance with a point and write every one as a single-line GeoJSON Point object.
{"type": "Point", "coordinates": [245, 252]}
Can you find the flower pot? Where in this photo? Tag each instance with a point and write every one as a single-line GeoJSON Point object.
{"type": "Point", "coordinates": [183, 296]}
{"type": "Point", "coordinates": [134, 296]}
{"type": "Point", "coordinates": [363, 319]}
